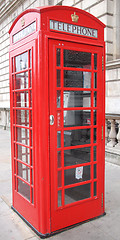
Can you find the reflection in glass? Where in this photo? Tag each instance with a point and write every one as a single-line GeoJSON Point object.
{"type": "Point", "coordinates": [76, 137]}
{"type": "Point", "coordinates": [77, 99]}
{"type": "Point", "coordinates": [78, 193]}
{"type": "Point", "coordinates": [76, 156]}
{"type": "Point", "coordinates": [95, 61]}
{"type": "Point", "coordinates": [95, 117]}
{"type": "Point", "coordinates": [21, 80]}
{"type": "Point", "coordinates": [95, 80]}
{"type": "Point", "coordinates": [58, 99]}
{"type": "Point", "coordinates": [95, 151]}
{"type": "Point", "coordinates": [59, 178]}
{"type": "Point", "coordinates": [95, 135]}
{"type": "Point", "coordinates": [23, 154]}
{"type": "Point", "coordinates": [77, 59]}
{"type": "Point", "coordinates": [23, 136]}
{"type": "Point", "coordinates": [30, 78]}
{"type": "Point", "coordinates": [58, 51]}
{"type": "Point", "coordinates": [95, 170]}
{"type": "Point", "coordinates": [30, 58]}
{"type": "Point", "coordinates": [59, 198]}
{"type": "Point", "coordinates": [24, 171]}
{"type": "Point", "coordinates": [77, 79]}
{"type": "Point", "coordinates": [95, 99]}
{"type": "Point", "coordinates": [72, 176]}
{"type": "Point", "coordinates": [58, 139]}
{"type": "Point", "coordinates": [22, 99]}
{"type": "Point", "coordinates": [24, 189]}
{"type": "Point", "coordinates": [95, 189]}
{"type": "Point", "coordinates": [77, 118]}
{"type": "Point", "coordinates": [58, 78]}
{"type": "Point", "coordinates": [59, 159]}
{"type": "Point", "coordinates": [22, 117]}
{"type": "Point", "coordinates": [21, 62]}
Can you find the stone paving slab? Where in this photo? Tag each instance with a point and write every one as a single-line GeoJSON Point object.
{"type": "Point", "coordinates": [12, 227]}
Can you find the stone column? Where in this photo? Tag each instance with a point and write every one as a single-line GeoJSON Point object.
{"type": "Point", "coordinates": [106, 131]}
{"type": "Point", "coordinates": [112, 134]}
{"type": "Point", "coordinates": [118, 135]}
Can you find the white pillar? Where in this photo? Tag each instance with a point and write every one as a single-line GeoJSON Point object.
{"type": "Point", "coordinates": [112, 134]}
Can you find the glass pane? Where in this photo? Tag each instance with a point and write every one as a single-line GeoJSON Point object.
{"type": "Point", "coordinates": [12, 64]}
{"type": "Point", "coordinates": [58, 56]}
{"type": "Point", "coordinates": [95, 80]}
{"type": "Point", "coordinates": [95, 99]}
{"type": "Point", "coordinates": [77, 59]}
{"type": "Point", "coordinates": [75, 175]}
{"type": "Point", "coordinates": [76, 137]}
{"type": "Point", "coordinates": [77, 79]}
{"type": "Point", "coordinates": [32, 195]}
{"type": "Point", "coordinates": [58, 139]}
{"type": "Point", "coordinates": [95, 188]}
{"type": "Point", "coordinates": [95, 170]}
{"type": "Point", "coordinates": [30, 98]}
{"type": "Point", "coordinates": [58, 99]}
{"type": "Point", "coordinates": [95, 61]}
{"type": "Point", "coordinates": [21, 80]}
{"type": "Point", "coordinates": [24, 189]}
{"type": "Point", "coordinates": [95, 117]}
{"type": "Point", "coordinates": [77, 193]}
{"type": "Point", "coordinates": [23, 154]}
{"type": "Point", "coordinates": [30, 79]}
{"type": "Point", "coordinates": [23, 136]}
{"type": "Point", "coordinates": [58, 78]}
{"type": "Point", "coordinates": [95, 151]}
{"type": "Point", "coordinates": [59, 198]}
{"type": "Point", "coordinates": [59, 159]}
{"type": "Point", "coordinates": [59, 178]}
{"type": "Point", "coordinates": [24, 171]}
{"type": "Point", "coordinates": [95, 135]}
{"type": "Point", "coordinates": [77, 118]}
{"type": "Point", "coordinates": [22, 117]}
{"type": "Point", "coordinates": [12, 82]}
{"type": "Point", "coordinates": [30, 58]}
{"type": "Point", "coordinates": [22, 99]}
{"type": "Point", "coordinates": [77, 99]}
{"type": "Point", "coordinates": [21, 61]}
{"type": "Point", "coordinates": [76, 156]}
{"type": "Point", "coordinates": [31, 155]}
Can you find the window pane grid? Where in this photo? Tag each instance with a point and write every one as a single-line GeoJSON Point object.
{"type": "Point", "coordinates": [62, 127]}
{"type": "Point", "coordinates": [23, 142]}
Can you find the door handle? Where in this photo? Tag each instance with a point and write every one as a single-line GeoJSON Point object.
{"type": "Point", "coordinates": [51, 120]}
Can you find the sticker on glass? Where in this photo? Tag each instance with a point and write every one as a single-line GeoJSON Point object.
{"type": "Point", "coordinates": [79, 173]}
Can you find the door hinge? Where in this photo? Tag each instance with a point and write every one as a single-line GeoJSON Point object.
{"type": "Point", "coordinates": [102, 132]}
{"type": "Point", "coordinates": [102, 200]}
{"type": "Point", "coordinates": [102, 63]}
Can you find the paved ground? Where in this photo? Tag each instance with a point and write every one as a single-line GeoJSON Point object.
{"type": "Point", "coordinates": [13, 228]}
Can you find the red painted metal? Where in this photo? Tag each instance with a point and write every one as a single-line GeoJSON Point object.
{"type": "Point", "coordinates": [41, 209]}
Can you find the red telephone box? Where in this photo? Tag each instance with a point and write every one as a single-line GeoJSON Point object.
{"type": "Point", "coordinates": [57, 88]}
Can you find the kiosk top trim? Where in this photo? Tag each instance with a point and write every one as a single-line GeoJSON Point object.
{"type": "Point", "coordinates": [41, 10]}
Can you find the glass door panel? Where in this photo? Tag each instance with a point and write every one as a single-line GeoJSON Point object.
{"type": "Point", "coordinates": [74, 145]}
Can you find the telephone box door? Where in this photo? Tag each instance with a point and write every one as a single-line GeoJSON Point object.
{"type": "Point", "coordinates": [76, 126]}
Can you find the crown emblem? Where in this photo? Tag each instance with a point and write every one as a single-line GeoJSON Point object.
{"type": "Point", "coordinates": [23, 22]}
{"type": "Point", "coordinates": [74, 17]}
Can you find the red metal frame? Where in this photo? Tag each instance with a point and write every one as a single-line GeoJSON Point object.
{"type": "Point", "coordinates": [44, 215]}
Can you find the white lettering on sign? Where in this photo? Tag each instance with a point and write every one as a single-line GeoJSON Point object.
{"type": "Point", "coordinates": [24, 32]}
{"type": "Point", "coordinates": [70, 28]}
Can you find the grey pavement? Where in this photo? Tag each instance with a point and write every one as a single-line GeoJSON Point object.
{"type": "Point", "coordinates": [12, 227]}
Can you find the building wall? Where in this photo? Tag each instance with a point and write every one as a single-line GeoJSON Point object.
{"type": "Point", "coordinates": [108, 11]}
